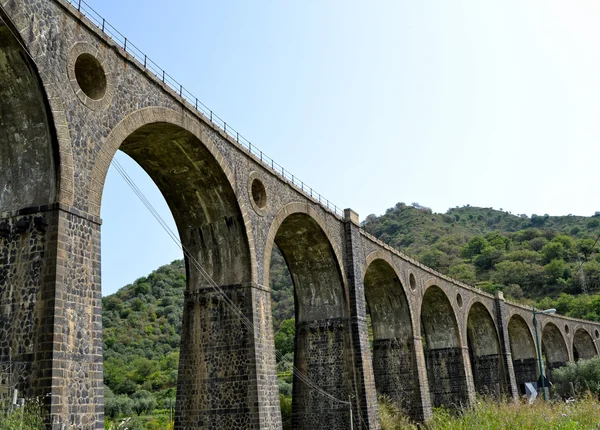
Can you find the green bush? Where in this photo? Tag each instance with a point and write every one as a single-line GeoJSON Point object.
{"type": "Point", "coordinates": [584, 374]}
{"type": "Point", "coordinates": [30, 417]}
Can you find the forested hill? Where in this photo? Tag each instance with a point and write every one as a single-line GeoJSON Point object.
{"type": "Point", "coordinates": [530, 258]}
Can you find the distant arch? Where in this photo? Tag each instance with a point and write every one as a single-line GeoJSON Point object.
{"type": "Point", "coordinates": [554, 347]}
{"type": "Point", "coordinates": [583, 345]}
{"type": "Point", "coordinates": [484, 351]}
{"type": "Point", "coordinates": [443, 353]}
{"type": "Point", "coordinates": [523, 352]}
{"type": "Point", "coordinates": [321, 309]}
{"type": "Point", "coordinates": [394, 356]}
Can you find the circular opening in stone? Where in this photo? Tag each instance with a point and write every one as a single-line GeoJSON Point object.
{"type": "Point", "coordinates": [567, 328]}
{"type": "Point", "coordinates": [412, 281]}
{"type": "Point", "coordinates": [459, 300]}
{"type": "Point", "coordinates": [259, 194]}
{"type": "Point", "coordinates": [597, 334]}
{"type": "Point", "coordinates": [90, 76]}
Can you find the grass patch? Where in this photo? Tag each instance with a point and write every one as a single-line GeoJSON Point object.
{"type": "Point", "coordinates": [489, 415]}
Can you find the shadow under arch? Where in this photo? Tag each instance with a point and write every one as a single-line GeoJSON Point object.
{"type": "Point", "coordinates": [394, 359]}
{"type": "Point", "coordinates": [443, 353]}
{"type": "Point", "coordinates": [523, 352]}
{"type": "Point", "coordinates": [322, 349]}
{"type": "Point", "coordinates": [487, 365]}
{"type": "Point", "coordinates": [554, 347]}
{"type": "Point", "coordinates": [29, 153]}
{"type": "Point", "coordinates": [583, 345]}
{"type": "Point", "coordinates": [217, 349]}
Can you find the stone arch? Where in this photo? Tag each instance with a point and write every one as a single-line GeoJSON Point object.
{"type": "Point", "coordinates": [29, 156]}
{"type": "Point", "coordinates": [322, 343]}
{"type": "Point", "coordinates": [145, 123]}
{"type": "Point", "coordinates": [394, 356]}
{"type": "Point", "coordinates": [200, 192]}
{"type": "Point", "coordinates": [583, 345]}
{"type": "Point", "coordinates": [484, 350]}
{"type": "Point", "coordinates": [37, 116]}
{"type": "Point", "coordinates": [282, 214]}
{"type": "Point", "coordinates": [443, 351]}
{"type": "Point", "coordinates": [554, 347]}
{"type": "Point", "coordinates": [523, 351]}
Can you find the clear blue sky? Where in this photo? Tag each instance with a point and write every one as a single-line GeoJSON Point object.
{"type": "Point", "coordinates": [493, 103]}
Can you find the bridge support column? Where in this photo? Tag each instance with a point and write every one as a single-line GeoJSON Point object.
{"type": "Point", "coordinates": [227, 377]}
{"type": "Point", "coordinates": [512, 390]}
{"type": "Point", "coordinates": [364, 382]}
{"type": "Point", "coordinates": [423, 410]}
{"type": "Point", "coordinates": [51, 323]}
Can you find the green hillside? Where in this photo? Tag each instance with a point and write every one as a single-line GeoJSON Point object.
{"type": "Point", "coordinates": [544, 260]}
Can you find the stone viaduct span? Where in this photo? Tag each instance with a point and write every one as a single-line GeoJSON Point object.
{"type": "Point", "coordinates": [70, 97]}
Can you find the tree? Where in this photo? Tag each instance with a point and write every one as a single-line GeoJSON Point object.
{"type": "Point", "coordinates": [554, 270]}
{"type": "Point", "coordinates": [143, 401]}
{"type": "Point", "coordinates": [284, 338]}
{"type": "Point", "coordinates": [586, 247]}
{"type": "Point", "coordinates": [463, 272]}
{"type": "Point", "coordinates": [474, 247]}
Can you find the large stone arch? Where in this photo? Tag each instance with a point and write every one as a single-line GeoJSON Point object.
{"type": "Point", "coordinates": [322, 350]}
{"type": "Point", "coordinates": [485, 354]}
{"type": "Point", "coordinates": [36, 156]}
{"type": "Point", "coordinates": [212, 224]}
{"type": "Point", "coordinates": [583, 345]}
{"type": "Point", "coordinates": [394, 355]}
{"type": "Point", "coordinates": [554, 347]}
{"type": "Point", "coordinates": [145, 123]}
{"type": "Point", "coordinates": [29, 156]}
{"type": "Point", "coordinates": [444, 358]}
{"type": "Point", "coordinates": [523, 351]}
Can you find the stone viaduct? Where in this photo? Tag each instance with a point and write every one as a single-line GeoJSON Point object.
{"type": "Point", "coordinates": [70, 97]}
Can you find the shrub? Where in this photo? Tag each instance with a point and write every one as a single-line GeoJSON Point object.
{"type": "Point", "coordinates": [585, 376]}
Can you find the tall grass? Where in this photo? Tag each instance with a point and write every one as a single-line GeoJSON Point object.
{"type": "Point", "coordinates": [490, 415]}
{"type": "Point", "coordinates": [29, 417]}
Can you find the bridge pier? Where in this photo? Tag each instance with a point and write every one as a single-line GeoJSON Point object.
{"type": "Point", "coordinates": [227, 378]}
{"type": "Point", "coordinates": [50, 326]}
{"type": "Point", "coordinates": [363, 378]}
{"type": "Point", "coordinates": [511, 387]}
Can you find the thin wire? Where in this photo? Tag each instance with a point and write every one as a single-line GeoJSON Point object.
{"type": "Point", "coordinates": [232, 305]}
{"type": "Point", "coordinates": [301, 376]}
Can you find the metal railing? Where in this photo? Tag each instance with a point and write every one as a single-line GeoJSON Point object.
{"type": "Point", "coordinates": [135, 54]}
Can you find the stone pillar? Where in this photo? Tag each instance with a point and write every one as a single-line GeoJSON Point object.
{"type": "Point", "coordinates": [449, 376]}
{"type": "Point", "coordinates": [394, 369]}
{"type": "Point", "coordinates": [470, 382]}
{"type": "Point", "coordinates": [364, 382]}
{"type": "Point", "coordinates": [422, 411]}
{"type": "Point", "coordinates": [503, 336]}
{"type": "Point", "coordinates": [227, 377]}
{"type": "Point", "coordinates": [321, 352]}
{"type": "Point", "coordinates": [51, 322]}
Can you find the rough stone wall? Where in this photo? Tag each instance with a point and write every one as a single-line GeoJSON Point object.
{"type": "Point", "coordinates": [220, 352]}
{"type": "Point", "coordinates": [77, 382]}
{"type": "Point", "coordinates": [487, 374]}
{"type": "Point", "coordinates": [27, 243]}
{"type": "Point", "coordinates": [526, 370]}
{"type": "Point", "coordinates": [320, 353]}
{"type": "Point", "coordinates": [446, 371]}
{"type": "Point", "coordinates": [394, 369]}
